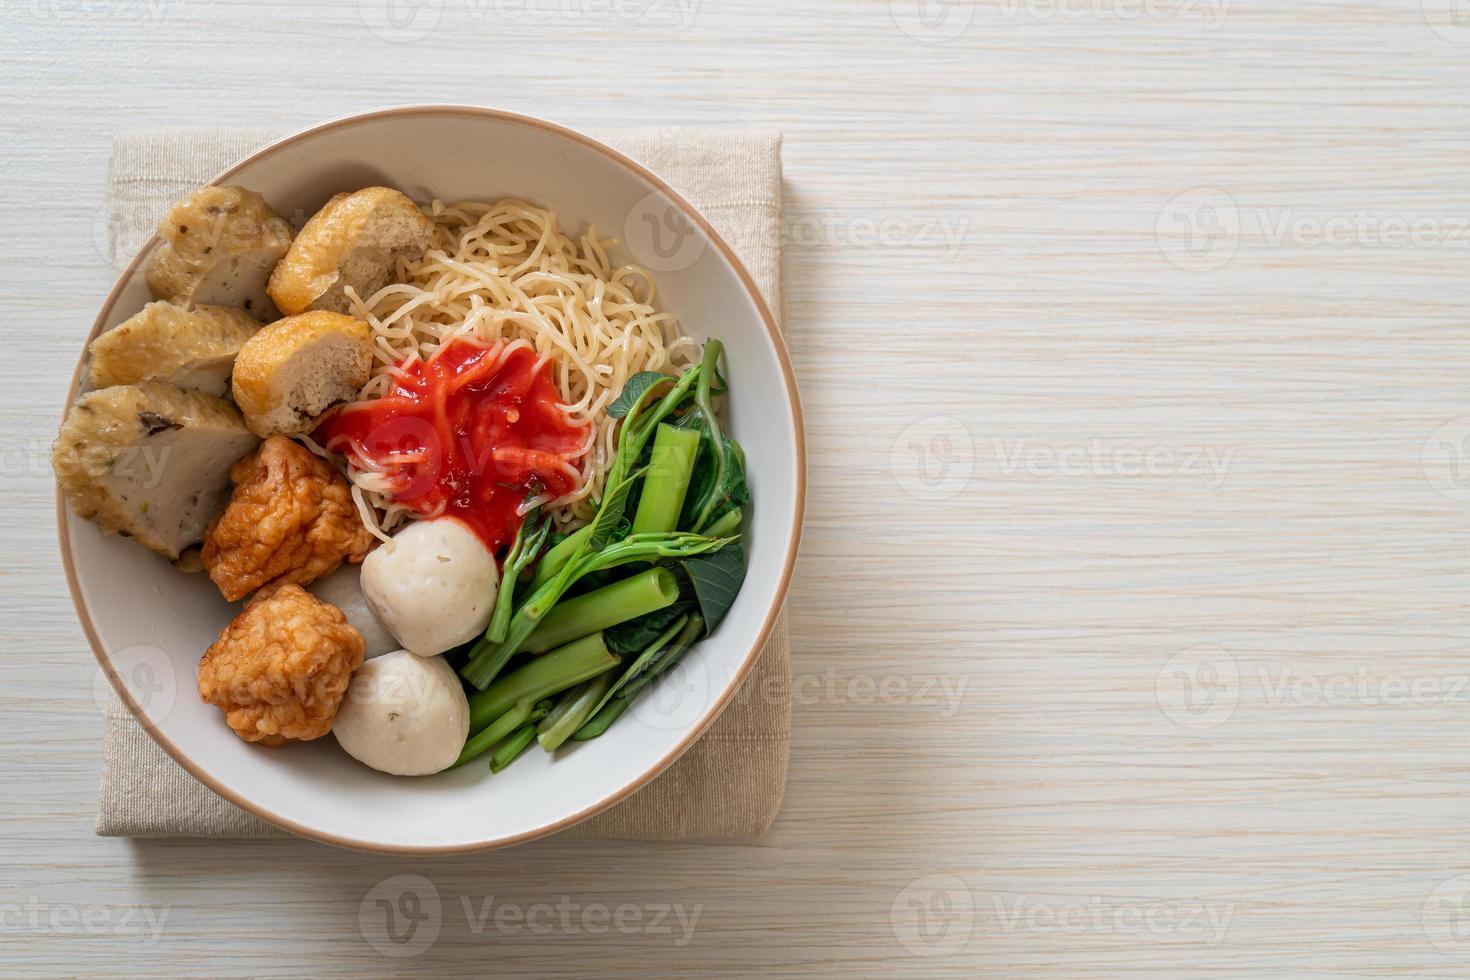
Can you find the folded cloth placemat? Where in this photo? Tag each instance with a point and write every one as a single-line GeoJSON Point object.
{"type": "Point", "coordinates": [728, 784]}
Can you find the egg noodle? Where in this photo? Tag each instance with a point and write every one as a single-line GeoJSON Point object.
{"type": "Point", "coordinates": [505, 272]}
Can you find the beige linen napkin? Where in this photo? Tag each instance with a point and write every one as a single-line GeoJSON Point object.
{"type": "Point", "coordinates": [728, 784]}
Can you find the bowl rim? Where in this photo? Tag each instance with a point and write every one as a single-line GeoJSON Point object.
{"type": "Point", "coordinates": [773, 332]}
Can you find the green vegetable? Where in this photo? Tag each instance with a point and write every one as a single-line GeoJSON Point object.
{"type": "Point", "coordinates": [510, 750]}
{"type": "Point", "coordinates": [480, 743]}
{"type": "Point", "coordinates": [643, 673]}
{"type": "Point", "coordinates": [725, 526]}
{"type": "Point", "coordinates": [642, 419]}
{"type": "Point", "coordinates": [523, 551]}
{"type": "Point", "coordinates": [665, 660]}
{"type": "Point", "coordinates": [558, 555]}
{"type": "Point", "coordinates": [644, 659]}
{"type": "Point", "coordinates": [487, 659]}
{"type": "Point", "coordinates": [719, 484]}
{"type": "Point", "coordinates": [634, 636]}
{"type": "Point", "coordinates": [669, 469]}
{"type": "Point", "coordinates": [571, 712]}
{"type": "Point", "coordinates": [542, 677]}
{"type": "Point", "coordinates": [633, 392]}
{"type": "Point", "coordinates": [607, 606]}
{"type": "Point", "coordinates": [610, 713]}
{"type": "Point", "coordinates": [610, 514]}
{"type": "Point", "coordinates": [716, 579]}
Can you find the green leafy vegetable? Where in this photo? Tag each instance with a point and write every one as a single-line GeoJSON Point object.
{"type": "Point", "coordinates": [644, 659]}
{"type": "Point", "coordinates": [612, 512]}
{"type": "Point", "coordinates": [529, 539]}
{"type": "Point", "coordinates": [634, 636]}
{"type": "Point", "coordinates": [510, 750]}
{"type": "Point", "coordinates": [610, 605]}
{"type": "Point", "coordinates": [572, 712]}
{"type": "Point", "coordinates": [487, 659]}
{"type": "Point", "coordinates": [610, 713]}
{"type": "Point", "coordinates": [666, 659]}
{"type": "Point", "coordinates": [632, 394]}
{"type": "Point", "coordinates": [716, 579]}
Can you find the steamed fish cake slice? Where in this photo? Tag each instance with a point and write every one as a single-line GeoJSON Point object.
{"type": "Point", "coordinates": [219, 247]}
{"type": "Point", "coordinates": [294, 370]}
{"type": "Point", "coordinates": [354, 240]}
{"type": "Point", "coordinates": [150, 461]}
{"type": "Point", "coordinates": [185, 348]}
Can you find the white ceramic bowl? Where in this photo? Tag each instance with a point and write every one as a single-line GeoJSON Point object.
{"type": "Point", "coordinates": [148, 623]}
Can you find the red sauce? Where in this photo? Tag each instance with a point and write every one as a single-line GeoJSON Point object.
{"type": "Point", "coordinates": [469, 433]}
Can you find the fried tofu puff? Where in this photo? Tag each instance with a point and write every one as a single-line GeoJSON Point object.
{"type": "Point", "coordinates": [290, 519]}
{"type": "Point", "coordinates": [279, 669]}
{"type": "Point", "coordinates": [150, 461]}
{"type": "Point", "coordinates": [192, 349]}
{"type": "Point", "coordinates": [220, 245]}
{"type": "Point", "coordinates": [355, 240]}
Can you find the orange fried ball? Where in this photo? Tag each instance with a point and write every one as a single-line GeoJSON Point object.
{"type": "Point", "coordinates": [290, 519]}
{"type": "Point", "coordinates": [279, 670]}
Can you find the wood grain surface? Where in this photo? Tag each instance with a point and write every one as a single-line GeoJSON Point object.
{"type": "Point", "coordinates": [1130, 628]}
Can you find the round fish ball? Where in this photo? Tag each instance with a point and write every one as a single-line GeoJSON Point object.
{"type": "Point", "coordinates": [433, 585]}
{"type": "Point", "coordinates": [404, 714]}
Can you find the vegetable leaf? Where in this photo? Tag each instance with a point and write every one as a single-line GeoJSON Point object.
{"type": "Point", "coordinates": [611, 515]}
{"type": "Point", "coordinates": [716, 578]}
{"type": "Point", "coordinates": [665, 659]}
{"type": "Point", "coordinates": [638, 666]}
{"type": "Point", "coordinates": [524, 549]}
{"type": "Point", "coordinates": [635, 635]}
{"type": "Point", "coordinates": [633, 392]}
{"type": "Point", "coordinates": [704, 496]}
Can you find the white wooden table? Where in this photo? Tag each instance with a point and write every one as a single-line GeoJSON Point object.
{"type": "Point", "coordinates": [1131, 625]}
